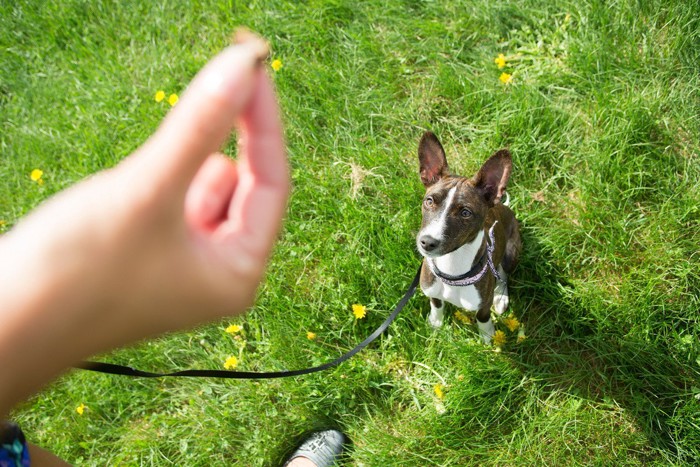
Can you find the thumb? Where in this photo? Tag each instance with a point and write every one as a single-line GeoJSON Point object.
{"type": "Point", "coordinates": [204, 117]}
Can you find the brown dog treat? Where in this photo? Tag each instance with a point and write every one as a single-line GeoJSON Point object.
{"type": "Point", "coordinates": [246, 36]}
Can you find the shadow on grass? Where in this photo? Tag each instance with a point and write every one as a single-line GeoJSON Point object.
{"type": "Point", "coordinates": [568, 351]}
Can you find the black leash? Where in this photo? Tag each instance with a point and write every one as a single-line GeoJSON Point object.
{"type": "Point", "coordinates": [113, 369]}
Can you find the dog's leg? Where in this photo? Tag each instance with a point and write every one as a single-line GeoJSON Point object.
{"type": "Point", "coordinates": [486, 327]}
{"type": "Point", "coordinates": [500, 293]}
{"type": "Point", "coordinates": [437, 312]}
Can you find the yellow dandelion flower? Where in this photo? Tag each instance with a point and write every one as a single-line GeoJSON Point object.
{"type": "Point", "coordinates": [499, 338]}
{"type": "Point", "coordinates": [463, 317]}
{"type": "Point", "coordinates": [36, 175]}
{"type": "Point", "coordinates": [310, 335]}
{"type": "Point", "coordinates": [500, 61]}
{"type": "Point", "coordinates": [172, 100]}
{"type": "Point", "coordinates": [360, 311]}
{"type": "Point", "coordinates": [512, 323]}
{"type": "Point", "coordinates": [438, 391]}
{"type": "Point", "coordinates": [231, 363]}
{"type": "Point", "coordinates": [505, 78]}
{"type": "Point", "coordinates": [233, 329]}
{"type": "Point", "coordinates": [276, 64]}
{"type": "Point", "coordinates": [81, 409]}
{"type": "Point", "coordinates": [160, 95]}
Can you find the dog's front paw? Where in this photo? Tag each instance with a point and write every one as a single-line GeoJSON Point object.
{"type": "Point", "coordinates": [436, 318]}
{"type": "Point", "coordinates": [486, 331]}
{"type": "Point", "coordinates": [500, 301]}
{"type": "Point", "coordinates": [500, 293]}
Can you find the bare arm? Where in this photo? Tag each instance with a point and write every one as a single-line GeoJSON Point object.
{"type": "Point", "coordinates": [173, 236]}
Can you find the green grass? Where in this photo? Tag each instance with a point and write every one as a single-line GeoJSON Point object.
{"type": "Point", "coordinates": [602, 120]}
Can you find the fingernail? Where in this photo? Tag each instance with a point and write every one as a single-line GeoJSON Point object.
{"type": "Point", "coordinates": [259, 47]}
{"type": "Point", "coordinates": [229, 75]}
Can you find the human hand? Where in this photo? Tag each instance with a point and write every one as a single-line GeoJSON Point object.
{"type": "Point", "coordinates": [175, 235]}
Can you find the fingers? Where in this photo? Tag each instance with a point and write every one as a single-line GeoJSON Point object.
{"type": "Point", "coordinates": [260, 199]}
{"type": "Point", "coordinates": [205, 115]}
{"type": "Point", "coordinates": [264, 168]}
{"type": "Point", "coordinates": [248, 199]}
{"type": "Point", "coordinates": [209, 195]}
{"type": "Point", "coordinates": [262, 136]}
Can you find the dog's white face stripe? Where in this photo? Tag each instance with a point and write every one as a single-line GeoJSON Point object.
{"type": "Point", "coordinates": [436, 228]}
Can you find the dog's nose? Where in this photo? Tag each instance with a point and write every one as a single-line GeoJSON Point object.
{"type": "Point", "coordinates": [428, 243]}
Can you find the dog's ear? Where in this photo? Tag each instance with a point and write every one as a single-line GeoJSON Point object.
{"type": "Point", "coordinates": [493, 176]}
{"type": "Point", "coordinates": [433, 163]}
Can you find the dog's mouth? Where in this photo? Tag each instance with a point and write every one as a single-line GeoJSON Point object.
{"type": "Point", "coordinates": [428, 251]}
{"type": "Point", "coordinates": [426, 254]}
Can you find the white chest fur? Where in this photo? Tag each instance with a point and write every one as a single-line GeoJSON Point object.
{"type": "Point", "coordinates": [466, 297]}
{"type": "Point", "coordinates": [456, 263]}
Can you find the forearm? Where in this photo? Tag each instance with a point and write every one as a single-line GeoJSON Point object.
{"type": "Point", "coordinates": [43, 301]}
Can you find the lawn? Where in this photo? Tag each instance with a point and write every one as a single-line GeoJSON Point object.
{"type": "Point", "coordinates": [600, 107]}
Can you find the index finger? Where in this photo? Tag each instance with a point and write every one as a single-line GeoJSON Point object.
{"type": "Point", "coordinates": [205, 116]}
{"type": "Point", "coordinates": [260, 200]}
{"type": "Point", "coordinates": [261, 142]}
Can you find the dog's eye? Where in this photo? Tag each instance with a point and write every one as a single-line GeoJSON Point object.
{"type": "Point", "coordinates": [429, 201]}
{"type": "Point", "coordinates": [466, 213]}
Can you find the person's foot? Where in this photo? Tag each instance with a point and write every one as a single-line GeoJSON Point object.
{"type": "Point", "coordinates": [321, 449]}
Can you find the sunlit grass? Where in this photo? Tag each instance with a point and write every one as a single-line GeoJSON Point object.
{"type": "Point", "coordinates": [601, 115]}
